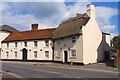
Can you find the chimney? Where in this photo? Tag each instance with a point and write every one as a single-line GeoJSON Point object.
{"type": "Point", "coordinates": [34, 27]}
{"type": "Point", "coordinates": [91, 11]}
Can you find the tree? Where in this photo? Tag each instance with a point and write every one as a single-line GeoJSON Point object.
{"type": "Point", "coordinates": [116, 42]}
{"type": "Point", "coordinates": [116, 45]}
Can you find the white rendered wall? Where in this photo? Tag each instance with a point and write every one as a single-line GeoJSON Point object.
{"type": "Point", "coordinates": [30, 50]}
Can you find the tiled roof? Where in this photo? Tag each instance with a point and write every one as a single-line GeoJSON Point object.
{"type": "Point", "coordinates": [7, 28]}
{"type": "Point", "coordinates": [30, 35]}
{"type": "Point", "coordinates": [72, 26]}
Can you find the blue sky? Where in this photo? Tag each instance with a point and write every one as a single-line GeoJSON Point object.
{"type": "Point", "coordinates": [21, 15]}
{"type": "Point", "coordinates": [113, 19]}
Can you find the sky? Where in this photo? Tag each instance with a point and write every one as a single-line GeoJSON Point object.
{"type": "Point", "coordinates": [21, 15]}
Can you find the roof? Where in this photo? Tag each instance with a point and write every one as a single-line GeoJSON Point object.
{"type": "Point", "coordinates": [30, 35]}
{"type": "Point", "coordinates": [7, 28]}
{"type": "Point", "coordinates": [72, 26]}
{"type": "Point", "coordinates": [105, 33]}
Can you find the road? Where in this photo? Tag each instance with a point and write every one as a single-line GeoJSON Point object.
{"type": "Point", "coordinates": [29, 70]}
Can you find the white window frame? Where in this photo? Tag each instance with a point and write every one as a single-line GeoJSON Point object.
{"type": "Point", "coordinates": [47, 54]}
{"type": "Point", "coordinates": [25, 43]}
{"type": "Point", "coordinates": [47, 43]}
{"type": "Point", "coordinates": [16, 44]}
{"type": "Point", "coordinates": [7, 45]}
{"type": "Point", "coordinates": [73, 39]}
{"type": "Point", "coordinates": [35, 43]}
{"type": "Point", "coordinates": [73, 54]}
{"type": "Point", "coordinates": [58, 53]}
{"type": "Point", "coordinates": [35, 54]}
{"type": "Point", "coordinates": [7, 54]}
{"type": "Point", "coordinates": [15, 54]}
{"type": "Point", "coordinates": [58, 41]}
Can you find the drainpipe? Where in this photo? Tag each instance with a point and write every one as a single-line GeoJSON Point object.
{"type": "Point", "coordinates": [53, 49]}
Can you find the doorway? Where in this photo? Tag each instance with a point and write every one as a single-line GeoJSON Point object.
{"type": "Point", "coordinates": [65, 56]}
{"type": "Point", "coordinates": [107, 55]}
{"type": "Point", "coordinates": [24, 52]}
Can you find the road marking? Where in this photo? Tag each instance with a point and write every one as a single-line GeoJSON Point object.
{"type": "Point", "coordinates": [47, 71]}
{"type": "Point", "coordinates": [17, 76]}
{"type": "Point", "coordinates": [84, 69]}
{"type": "Point", "coordinates": [37, 70]}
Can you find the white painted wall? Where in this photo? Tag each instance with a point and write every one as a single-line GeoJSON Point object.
{"type": "Point", "coordinates": [78, 46]}
{"type": "Point", "coordinates": [3, 35]}
{"type": "Point", "coordinates": [30, 46]}
{"type": "Point", "coordinates": [92, 38]}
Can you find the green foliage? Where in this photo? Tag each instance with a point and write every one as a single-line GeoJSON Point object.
{"type": "Point", "coordinates": [116, 42]}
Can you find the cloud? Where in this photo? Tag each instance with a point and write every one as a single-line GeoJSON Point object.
{"type": "Point", "coordinates": [20, 21]}
{"type": "Point", "coordinates": [49, 14]}
{"type": "Point", "coordinates": [104, 14]}
{"type": "Point", "coordinates": [108, 28]}
{"type": "Point", "coordinates": [32, 1]}
{"type": "Point", "coordinates": [46, 14]}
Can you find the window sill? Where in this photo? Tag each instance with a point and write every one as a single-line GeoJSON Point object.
{"type": "Point", "coordinates": [46, 47]}
{"type": "Point", "coordinates": [72, 57]}
{"type": "Point", "coordinates": [57, 57]}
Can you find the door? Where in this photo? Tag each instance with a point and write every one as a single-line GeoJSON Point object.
{"type": "Point", "coordinates": [24, 52]}
{"type": "Point", "coordinates": [107, 55]}
{"type": "Point", "coordinates": [65, 56]}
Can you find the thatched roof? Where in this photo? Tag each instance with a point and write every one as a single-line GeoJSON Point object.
{"type": "Point", "coordinates": [72, 26]}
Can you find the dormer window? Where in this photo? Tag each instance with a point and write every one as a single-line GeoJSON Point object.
{"type": "Point", "coordinates": [73, 39]}
{"type": "Point", "coordinates": [58, 41]}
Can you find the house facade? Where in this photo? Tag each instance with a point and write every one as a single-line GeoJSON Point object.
{"type": "Point", "coordinates": [28, 45]}
{"type": "Point", "coordinates": [79, 39]}
{"type": "Point", "coordinates": [5, 30]}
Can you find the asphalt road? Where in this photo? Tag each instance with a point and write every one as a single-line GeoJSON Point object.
{"type": "Point", "coordinates": [25, 70]}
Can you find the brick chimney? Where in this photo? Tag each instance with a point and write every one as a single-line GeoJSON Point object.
{"type": "Point", "coordinates": [34, 27]}
{"type": "Point", "coordinates": [91, 11]}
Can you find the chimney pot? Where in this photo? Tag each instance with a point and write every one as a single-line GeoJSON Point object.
{"type": "Point", "coordinates": [34, 26]}
{"type": "Point", "coordinates": [90, 7]}
{"type": "Point", "coordinates": [91, 11]}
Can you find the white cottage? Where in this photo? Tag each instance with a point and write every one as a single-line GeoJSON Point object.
{"type": "Point", "coordinates": [80, 40]}
{"type": "Point", "coordinates": [34, 44]}
{"type": "Point", "coordinates": [5, 30]}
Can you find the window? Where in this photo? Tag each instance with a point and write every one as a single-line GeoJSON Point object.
{"type": "Point", "coordinates": [35, 54]}
{"type": "Point", "coordinates": [7, 54]}
{"type": "Point", "coordinates": [46, 54]}
{"type": "Point", "coordinates": [15, 44]}
{"type": "Point", "coordinates": [73, 54]}
{"type": "Point", "coordinates": [58, 54]}
{"type": "Point", "coordinates": [15, 54]}
{"type": "Point", "coordinates": [73, 39]}
{"type": "Point", "coordinates": [35, 43]}
{"type": "Point", "coordinates": [7, 45]}
{"type": "Point", "coordinates": [25, 43]}
{"type": "Point", "coordinates": [58, 41]}
{"type": "Point", "coordinates": [46, 42]}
